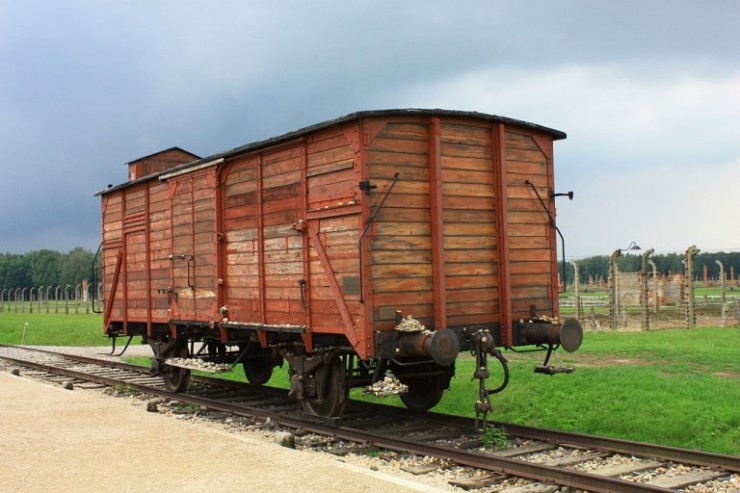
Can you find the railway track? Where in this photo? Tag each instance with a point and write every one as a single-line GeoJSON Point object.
{"type": "Point", "coordinates": [543, 460]}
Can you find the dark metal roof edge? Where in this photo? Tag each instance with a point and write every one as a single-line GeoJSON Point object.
{"type": "Point", "coordinates": [556, 134]}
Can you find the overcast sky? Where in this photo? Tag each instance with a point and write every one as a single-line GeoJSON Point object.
{"type": "Point", "coordinates": [648, 92]}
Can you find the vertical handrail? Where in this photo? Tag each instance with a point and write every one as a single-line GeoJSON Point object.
{"type": "Point", "coordinates": [113, 287]}
{"type": "Point", "coordinates": [95, 282]}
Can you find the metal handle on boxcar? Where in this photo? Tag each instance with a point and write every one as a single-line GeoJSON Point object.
{"type": "Point", "coordinates": [190, 259]}
{"type": "Point", "coordinates": [552, 223]}
{"type": "Point", "coordinates": [302, 284]}
{"type": "Point", "coordinates": [95, 280]}
{"type": "Point", "coordinates": [367, 187]}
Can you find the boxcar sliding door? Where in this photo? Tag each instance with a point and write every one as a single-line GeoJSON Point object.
{"type": "Point", "coordinates": [193, 258]}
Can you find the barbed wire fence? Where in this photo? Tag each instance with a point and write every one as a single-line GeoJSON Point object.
{"type": "Point", "coordinates": [626, 300]}
{"type": "Point", "coordinates": [646, 300]}
{"type": "Point", "coordinates": [60, 299]}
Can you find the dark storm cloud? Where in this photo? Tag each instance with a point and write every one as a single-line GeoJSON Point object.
{"type": "Point", "coordinates": [89, 85]}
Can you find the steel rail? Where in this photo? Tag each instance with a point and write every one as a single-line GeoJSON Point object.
{"type": "Point", "coordinates": [730, 463]}
{"type": "Point", "coordinates": [479, 460]}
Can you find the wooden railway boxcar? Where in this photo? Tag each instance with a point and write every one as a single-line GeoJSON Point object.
{"type": "Point", "coordinates": [316, 246]}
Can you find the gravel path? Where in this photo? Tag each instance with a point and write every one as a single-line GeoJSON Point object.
{"type": "Point", "coordinates": [58, 440]}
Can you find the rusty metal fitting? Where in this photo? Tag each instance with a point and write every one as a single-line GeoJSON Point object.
{"type": "Point", "coordinates": [569, 334]}
{"type": "Point", "coordinates": [441, 345]}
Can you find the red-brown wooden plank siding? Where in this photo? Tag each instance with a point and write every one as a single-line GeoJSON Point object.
{"type": "Point", "coordinates": [250, 231]}
{"type": "Point", "coordinates": [474, 209]}
{"type": "Point", "coordinates": [401, 250]}
{"type": "Point", "coordinates": [531, 237]}
{"type": "Point", "coordinates": [159, 161]}
{"type": "Point", "coordinates": [265, 213]}
{"type": "Point", "coordinates": [135, 222]}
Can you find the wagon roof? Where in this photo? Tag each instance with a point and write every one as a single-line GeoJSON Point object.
{"type": "Point", "coordinates": [556, 135]}
{"type": "Point", "coordinates": [175, 148]}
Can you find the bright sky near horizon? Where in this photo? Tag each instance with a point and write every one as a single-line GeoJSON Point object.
{"type": "Point", "coordinates": [648, 92]}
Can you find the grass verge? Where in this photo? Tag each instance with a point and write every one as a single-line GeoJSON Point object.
{"type": "Point", "coordinates": [674, 387]}
{"type": "Point", "coordinates": [49, 329]}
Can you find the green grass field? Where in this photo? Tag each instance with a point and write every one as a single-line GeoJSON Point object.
{"type": "Point", "coordinates": [53, 329]}
{"type": "Point", "coordinates": [675, 387]}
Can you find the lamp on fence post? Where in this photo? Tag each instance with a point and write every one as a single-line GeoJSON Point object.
{"type": "Point", "coordinates": [614, 282]}
{"type": "Point", "coordinates": [644, 290]}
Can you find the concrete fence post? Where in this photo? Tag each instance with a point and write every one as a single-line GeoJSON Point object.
{"type": "Point", "coordinates": [689, 286]}
{"type": "Point", "coordinates": [30, 299]}
{"type": "Point", "coordinates": [656, 285]}
{"type": "Point", "coordinates": [78, 297]}
{"type": "Point", "coordinates": [46, 299]}
{"type": "Point", "coordinates": [645, 322]}
{"type": "Point", "coordinates": [23, 299]}
{"type": "Point", "coordinates": [66, 299]}
{"type": "Point", "coordinates": [595, 325]}
{"type": "Point", "coordinates": [577, 290]}
{"type": "Point", "coordinates": [2, 300]}
{"type": "Point", "coordinates": [723, 294]}
{"type": "Point", "coordinates": [613, 290]}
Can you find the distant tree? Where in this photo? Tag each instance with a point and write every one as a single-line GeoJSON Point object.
{"type": "Point", "coordinates": [15, 271]}
{"type": "Point", "coordinates": [666, 263]}
{"type": "Point", "coordinates": [75, 266]}
{"type": "Point", "coordinates": [45, 267]}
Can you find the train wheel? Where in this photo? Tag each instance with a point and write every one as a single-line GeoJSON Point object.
{"type": "Point", "coordinates": [335, 393]}
{"type": "Point", "coordinates": [423, 394]}
{"type": "Point", "coordinates": [176, 379]}
{"type": "Point", "coordinates": [258, 371]}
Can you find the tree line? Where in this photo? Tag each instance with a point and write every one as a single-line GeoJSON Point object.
{"type": "Point", "coordinates": [45, 268]}
{"type": "Point", "coordinates": [666, 264]}
{"type": "Point", "coordinates": [52, 268]}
